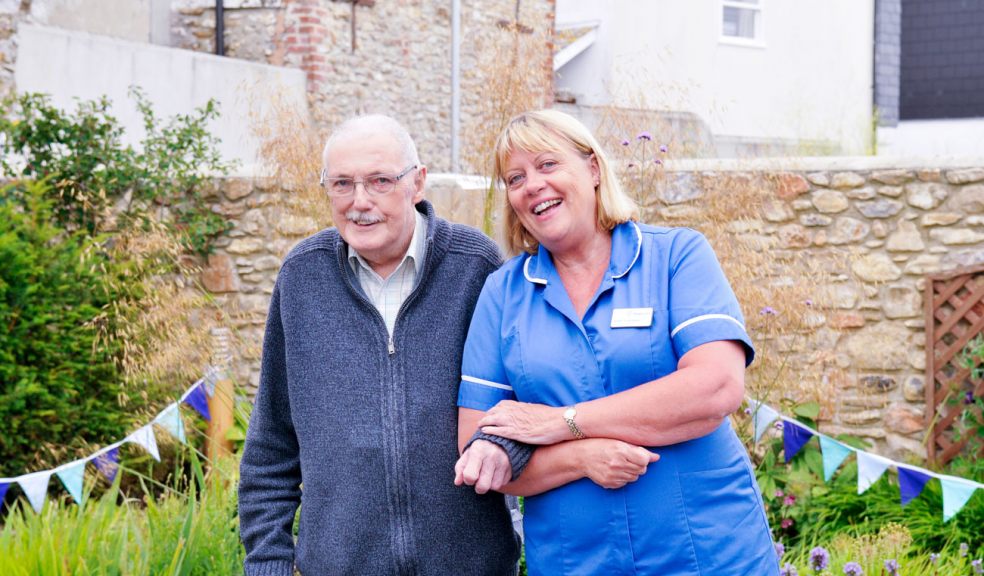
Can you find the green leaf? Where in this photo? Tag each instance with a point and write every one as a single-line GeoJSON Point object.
{"type": "Point", "coordinates": [809, 410]}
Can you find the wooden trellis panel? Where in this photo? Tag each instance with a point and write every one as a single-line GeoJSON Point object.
{"type": "Point", "coordinates": [954, 315]}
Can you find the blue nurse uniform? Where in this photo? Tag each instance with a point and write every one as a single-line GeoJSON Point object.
{"type": "Point", "coordinates": [695, 511]}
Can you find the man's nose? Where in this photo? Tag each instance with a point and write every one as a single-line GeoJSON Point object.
{"type": "Point", "coordinates": [360, 198]}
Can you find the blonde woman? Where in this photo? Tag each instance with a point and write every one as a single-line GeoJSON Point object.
{"type": "Point", "coordinates": [605, 342]}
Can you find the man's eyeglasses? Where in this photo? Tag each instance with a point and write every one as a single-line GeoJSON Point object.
{"type": "Point", "coordinates": [375, 185]}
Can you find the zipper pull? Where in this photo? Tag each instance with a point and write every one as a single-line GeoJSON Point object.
{"type": "Point", "coordinates": [391, 347]}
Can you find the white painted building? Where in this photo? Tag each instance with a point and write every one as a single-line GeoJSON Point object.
{"type": "Point", "coordinates": [763, 76]}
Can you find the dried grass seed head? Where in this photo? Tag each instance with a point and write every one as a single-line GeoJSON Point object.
{"type": "Point", "coordinates": [547, 130]}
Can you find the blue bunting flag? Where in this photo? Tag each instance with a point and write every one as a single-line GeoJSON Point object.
{"type": "Point", "coordinates": [834, 454]}
{"type": "Point", "coordinates": [956, 493]}
{"type": "Point", "coordinates": [794, 437]}
{"type": "Point", "coordinates": [71, 476]}
{"type": "Point", "coordinates": [197, 398]}
{"type": "Point", "coordinates": [108, 462]}
{"type": "Point", "coordinates": [911, 483]}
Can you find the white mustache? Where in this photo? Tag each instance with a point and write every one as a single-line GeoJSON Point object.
{"type": "Point", "coordinates": [363, 218]}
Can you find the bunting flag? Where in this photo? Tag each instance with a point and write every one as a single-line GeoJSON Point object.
{"type": "Point", "coordinates": [956, 493]}
{"type": "Point", "coordinates": [794, 437]}
{"type": "Point", "coordinates": [145, 438]}
{"type": "Point", "coordinates": [170, 420]}
{"type": "Point", "coordinates": [870, 469]}
{"type": "Point", "coordinates": [834, 453]}
{"type": "Point", "coordinates": [108, 463]}
{"type": "Point", "coordinates": [35, 487]}
{"type": "Point", "coordinates": [197, 398]}
{"type": "Point", "coordinates": [911, 483]}
{"type": "Point", "coordinates": [107, 460]}
{"type": "Point", "coordinates": [71, 476]}
{"type": "Point", "coordinates": [763, 416]}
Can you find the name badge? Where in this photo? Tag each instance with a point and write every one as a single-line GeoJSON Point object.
{"type": "Point", "coordinates": [632, 317]}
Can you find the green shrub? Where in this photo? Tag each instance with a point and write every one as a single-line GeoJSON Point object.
{"type": "Point", "coordinates": [98, 182]}
{"type": "Point", "coordinates": [58, 384]}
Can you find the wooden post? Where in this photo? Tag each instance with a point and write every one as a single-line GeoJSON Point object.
{"type": "Point", "coordinates": [220, 404]}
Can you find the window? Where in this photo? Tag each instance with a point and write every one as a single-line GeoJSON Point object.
{"type": "Point", "coordinates": [741, 21]}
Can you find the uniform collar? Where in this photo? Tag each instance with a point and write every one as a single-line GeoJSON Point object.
{"type": "Point", "coordinates": [626, 246]}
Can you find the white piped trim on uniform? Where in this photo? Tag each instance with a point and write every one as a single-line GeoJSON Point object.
{"type": "Point", "coordinates": [488, 383]}
{"type": "Point", "coordinates": [526, 272]}
{"type": "Point", "coordinates": [638, 250]}
{"type": "Point", "coordinates": [696, 319]}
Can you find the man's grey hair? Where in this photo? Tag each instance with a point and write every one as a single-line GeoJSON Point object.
{"type": "Point", "coordinates": [373, 123]}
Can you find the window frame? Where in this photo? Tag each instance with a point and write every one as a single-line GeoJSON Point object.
{"type": "Point", "coordinates": [758, 8]}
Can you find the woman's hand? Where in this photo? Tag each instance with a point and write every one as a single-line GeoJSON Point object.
{"type": "Point", "coordinates": [531, 423]}
{"type": "Point", "coordinates": [613, 463]}
{"type": "Point", "coordinates": [484, 465]}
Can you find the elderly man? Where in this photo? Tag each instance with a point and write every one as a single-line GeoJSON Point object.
{"type": "Point", "coordinates": [355, 418]}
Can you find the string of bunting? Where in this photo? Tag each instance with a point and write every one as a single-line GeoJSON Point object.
{"type": "Point", "coordinates": [107, 459]}
{"type": "Point", "coordinates": [912, 479]}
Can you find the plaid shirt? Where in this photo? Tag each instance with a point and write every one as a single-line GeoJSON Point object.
{"type": "Point", "coordinates": [387, 295]}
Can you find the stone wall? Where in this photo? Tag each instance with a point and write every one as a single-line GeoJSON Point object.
{"type": "Point", "coordinates": [392, 57]}
{"type": "Point", "coordinates": [888, 224]}
{"type": "Point", "coordinates": [897, 225]}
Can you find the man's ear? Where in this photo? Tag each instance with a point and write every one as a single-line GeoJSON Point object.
{"type": "Point", "coordinates": [419, 184]}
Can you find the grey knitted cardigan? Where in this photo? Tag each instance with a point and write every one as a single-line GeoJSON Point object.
{"type": "Point", "coordinates": [372, 434]}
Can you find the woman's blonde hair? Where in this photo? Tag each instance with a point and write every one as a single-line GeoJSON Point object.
{"type": "Point", "coordinates": [549, 130]}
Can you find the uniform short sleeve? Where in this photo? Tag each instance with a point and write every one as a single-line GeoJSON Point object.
{"type": "Point", "coordinates": [702, 305]}
{"type": "Point", "coordinates": [483, 377]}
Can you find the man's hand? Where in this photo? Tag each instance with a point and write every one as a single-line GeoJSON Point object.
{"type": "Point", "coordinates": [484, 465]}
{"type": "Point", "coordinates": [613, 463]}
{"type": "Point", "coordinates": [531, 423]}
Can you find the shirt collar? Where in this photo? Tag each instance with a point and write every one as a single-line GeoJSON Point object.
{"type": "Point", "coordinates": [626, 246]}
{"type": "Point", "coordinates": [415, 251]}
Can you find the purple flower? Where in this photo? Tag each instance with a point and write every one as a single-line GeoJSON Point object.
{"type": "Point", "coordinates": [964, 548]}
{"type": "Point", "coordinates": [780, 549]}
{"type": "Point", "coordinates": [853, 569]}
{"type": "Point", "coordinates": [663, 148]}
{"type": "Point", "coordinates": [786, 523]}
{"type": "Point", "coordinates": [779, 494]}
{"type": "Point", "coordinates": [969, 397]}
{"type": "Point", "coordinates": [934, 558]}
{"type": "Point", "coordinates": [767, 311]}
{"type": "Point", "coordinates": [892, 567]}
{"type": "Point", "coordinates": [657, 161]}
{"type": "Point", "coordinates": [631, 165]}
{"type": "Point", "coordinates": [748, 411]}
{"type": "Point", "coordinates": [778, 425]}
{"type": "Point", "coordinates": [644, 135]}
{"type": "Point", "coordinates": [788, 570]}
{"type": "Point", "coordinates": [976, 565]}
{"type": "Point", "coordinates": [625, 142]}
{"type": "Point", "coordinates": [819, 558]}
{"type": "Point", "coordinates": [789, 500]}
{"type": "Point", "coordinates": [808, 302]}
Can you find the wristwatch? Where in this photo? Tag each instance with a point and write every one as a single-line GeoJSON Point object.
{"type": "Point", "coordinates": [569, 416]}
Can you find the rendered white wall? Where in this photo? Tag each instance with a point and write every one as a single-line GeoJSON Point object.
{"type": "Point", "coordinates": [75, 65]}
{"type": "Point", "coordinates": [810, 81]}
{"type": "Point", "coordinates": [933, 138]}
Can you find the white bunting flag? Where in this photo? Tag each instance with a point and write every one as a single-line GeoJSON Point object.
{"type": "Point", "coordinates": [145, 438]}
{"type": "Point", "coordinates": [170, 420]}
{"type": "Point", "coordinates": [870, 469]}
{"type": "Point", "coordinates": [35, 487]}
